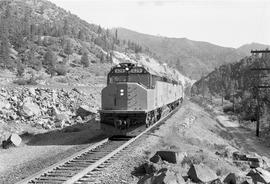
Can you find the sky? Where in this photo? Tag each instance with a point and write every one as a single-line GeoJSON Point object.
{"type": "Point", "coordinates": [229, 23]}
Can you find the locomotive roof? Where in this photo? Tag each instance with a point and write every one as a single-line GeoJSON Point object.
{"type": "Point", "coordinates": [158, 70]}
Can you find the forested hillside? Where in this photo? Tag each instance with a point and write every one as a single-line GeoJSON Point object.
{"type": "Point", "coordinates": [237, 82]}
{"type": "Point", "coordinates": [40, 35]}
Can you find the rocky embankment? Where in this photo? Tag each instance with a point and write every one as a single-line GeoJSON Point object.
{"type": "Point", "coordinates": [44, 108]}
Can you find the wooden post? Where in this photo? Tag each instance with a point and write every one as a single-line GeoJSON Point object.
{"type": "Point", "coordinates": [258, 112]}
{"type": "Point", "coordinates": [233, 96]}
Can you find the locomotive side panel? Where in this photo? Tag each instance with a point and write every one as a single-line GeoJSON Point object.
{"type": "Point", "coordinates": [165, 93]}
{"type": "Point", "coordinates": [151, 100]}
{"type": "Point", "coordinates": [137, 97]}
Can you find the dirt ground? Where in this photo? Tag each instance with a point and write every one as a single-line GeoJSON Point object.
{"type": "Point", "coordinates": [44, 149]}
{"type": "Point", "coordinates": [196, 134]}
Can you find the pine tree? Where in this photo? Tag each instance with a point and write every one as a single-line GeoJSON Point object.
{"type": "Point", "coordinates": [116, 41]}
{"type": "Point", "coordinates": [68, 49]}
{"type": "Point", "coordinates": [116, 34]}
{"type": "Point", "coordinates": [66, 28]}
{"type": "Point", "coordinates": [50, 60]}
{"type": "Point", "coordinates": [4, 46]}
{"type": "Point", "coordinates": [99, 30]}
{"type": "Point", "coordinates": [20, 69]}
{"type": "Point", "coordinates": [81, 35]}
{"type": "Point", "coordinates": [85, 59]}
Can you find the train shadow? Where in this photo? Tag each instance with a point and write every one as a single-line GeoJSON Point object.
{"type": "Point", "coordinates": [72, 135]}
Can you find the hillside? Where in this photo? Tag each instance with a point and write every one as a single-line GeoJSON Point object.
{"type": "Point", "coordinates": [192, 58]}
{"type": "Point", "coordinates": [236, 82]}
{"type": "Point", "coordinates": [245, 49]}
{"type": "Point", "coordinates": [41, 36]}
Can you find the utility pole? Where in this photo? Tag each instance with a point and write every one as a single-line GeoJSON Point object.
{"type": "Point", "coordinates": [258, 87]}
{"type": "Point", "coordinates": [233, 89]}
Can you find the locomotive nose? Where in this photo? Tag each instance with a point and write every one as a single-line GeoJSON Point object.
{"type": "Point", "coordinates": [114, 97]}
{"type": "Point", "coordinates": [125, 96]}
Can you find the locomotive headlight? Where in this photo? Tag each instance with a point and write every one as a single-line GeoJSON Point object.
{"type": "Point", "coordinates": [121, 92]}
{"type": "Point", "coordinates": [127, 68]}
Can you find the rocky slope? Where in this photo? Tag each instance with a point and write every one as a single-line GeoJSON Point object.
{"type": "Point", "coordinates": [44, 108]}
{"type": "Point", "coordinates": [193, 58]}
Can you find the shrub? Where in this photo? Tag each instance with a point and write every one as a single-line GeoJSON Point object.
{"type": "Point", "coordinates": [20, 69]}
{"type": "Point", "coordinates": [50, 58]}
{"type": "Point", "coordinates": [228, 108]}
{"type": "Point", "coordinates": [37, 65]}
{"type": "Point", "coordinates": [61, 69]}
{"type": "Point", "coordinates": [62, 80]}
{"type": "Point", "coordinates": [30, 81]}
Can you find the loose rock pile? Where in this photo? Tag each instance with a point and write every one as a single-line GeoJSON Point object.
{"type": "Point", "coordinates": [158, 170]}
{"type": "Point", "coordinates": [44, 107]}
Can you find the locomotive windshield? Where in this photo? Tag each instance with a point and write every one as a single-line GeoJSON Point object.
{"type": "Point", "coordinates": [136, 75]}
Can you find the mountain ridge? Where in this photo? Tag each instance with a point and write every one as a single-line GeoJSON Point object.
{"type": "Point", "coordinates": [193, 58]}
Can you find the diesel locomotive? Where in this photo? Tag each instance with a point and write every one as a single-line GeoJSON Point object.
{"type": "Point", "coordinates": [137, 95]}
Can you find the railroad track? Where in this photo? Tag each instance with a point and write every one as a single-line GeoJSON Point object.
{"type": "Point", "coordinates": [86, 165]}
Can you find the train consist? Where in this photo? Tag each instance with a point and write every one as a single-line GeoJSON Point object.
{"type": "Point", "coordinates": [137, 95]}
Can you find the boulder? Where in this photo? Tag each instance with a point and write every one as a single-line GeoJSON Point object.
{"type": "Point", "coordinates": [32, 91]}
{"type": "Point", "coordinates": [180, 179]}
{"type": "Point", "coordinates": [164, 177]}
{"type": "Point", "coordinates": [60, 124]}
{"type": "Point", "coordinates": [30, 109]}
{"type": "Point", "coordinates": [230, 179]}
{"type": "Point", "coordinates": [155, 159]}
{"type": "Point", "coordinates": [201, 173]}
{"type": "Point", "coordinates": [62, 117]}
{"type": "Point", "coordinates": [217, 181]}
{"type": "Point", "coordinates": [239, 156]}
{"type": "Point", "coordinates": [259, 175]}
{"type": "Point", "coordinates": [170, 156]}
{"type": "Point", "coordinates": [159, 178]}
{"type": "Point", "coordinates": [13, 140]}
{"type": "Point", "coordinates": [147, 179]}
{"type": "Point", "coordinates": [4, 105]}
{"type": "Point", "coordinates": [149, 168]}
{"type": "Point", "coordinates": [5, 144]}
{"type": "Point", "coordinates": [170, 178]}
{"type": "Point", "coordinates": [54, 111]}
{"type": "Point", "coordinates": [79, 120]}
{"type": "Point", "coordinates": [255, 162]}
{"type": "Point", "coordinates": [84, 111]}
{"type": "Point", "coordinates": [247, 181]}
{"type": "Point", "coordinates": [47, 126]}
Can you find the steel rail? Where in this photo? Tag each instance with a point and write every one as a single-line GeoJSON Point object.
{"type": "Point", "coordinates": [50, 168]}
